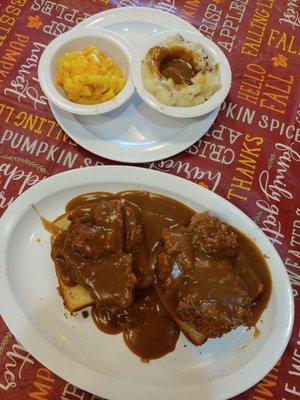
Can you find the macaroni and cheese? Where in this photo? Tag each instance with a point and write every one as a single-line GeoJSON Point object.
{"type": "Point", "coordinates": [89, 77]}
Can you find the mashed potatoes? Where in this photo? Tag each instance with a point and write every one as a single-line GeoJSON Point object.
{"type": "Point", "coordinates": [89, 77]}
{"type": "Point", "coordinates": [180, 73]}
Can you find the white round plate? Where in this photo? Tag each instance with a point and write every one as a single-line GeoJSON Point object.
{"type": "Point", "coordinates": [74, 349]}
{"type": "Point", "coordinates": [134, 133]}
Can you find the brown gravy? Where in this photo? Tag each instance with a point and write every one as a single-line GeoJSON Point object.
{"type": "Point", "coordinates": [174, 62]}
{"type": "Point", "coordinates": [178, 69]}
{"type": "Point", "coordinates": [125, 300]}
{"type": "Point", "coordinates": [149, 331]}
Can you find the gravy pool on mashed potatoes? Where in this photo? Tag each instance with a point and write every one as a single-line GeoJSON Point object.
{"type": "Point", "coordinates": [89, 77]}
{"type": "Point", "coordinates": [180, 73]}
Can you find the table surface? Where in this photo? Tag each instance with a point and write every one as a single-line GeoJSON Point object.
{"type": "Point", "coordinates": [260, 118]}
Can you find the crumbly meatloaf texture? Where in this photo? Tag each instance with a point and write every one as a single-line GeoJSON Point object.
{"type": "Point", "coordinates": [207, 318]}
{"type": "Point", "coordinates": [213, 236]}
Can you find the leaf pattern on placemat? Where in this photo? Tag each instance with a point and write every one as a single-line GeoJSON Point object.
{"type": "Point", "coordinates": [271, 161]}
{"type": "Point", "coordinates": [280, 61]}
{"type": "Point", "coordinates": [4, 341]}
{"type": "Point", "coordinates": [27, 162]}
{"type": "Point", "coordinates": [34, 21]}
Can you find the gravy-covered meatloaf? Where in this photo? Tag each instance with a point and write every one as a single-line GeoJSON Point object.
{"type": "Point", "coordinates": [92, 252]}
{"type": "Point", "coordinates": [214, 300]}
{"type": "Point", "coordinates": [198, 277]}
{"type": "Point", "coordinates": [151, 267]}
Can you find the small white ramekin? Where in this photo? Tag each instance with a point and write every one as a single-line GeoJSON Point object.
{"type": "Point", "coordinates": [183, 112]}
{"type": "Point", "coordinates": [112, 44]}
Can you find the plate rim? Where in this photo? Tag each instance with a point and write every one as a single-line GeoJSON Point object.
{"type": "Point", "coordinates": [81, 375]}
{"type": "Point", "coordinates": [106, 149]}
{"type": "Point", "coordinates": [170, 149]}
{"type": "Point", "coordinates": [120, 13]}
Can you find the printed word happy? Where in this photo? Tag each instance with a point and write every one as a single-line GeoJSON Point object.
{"type": "Point", "coordinates": [12, 174]}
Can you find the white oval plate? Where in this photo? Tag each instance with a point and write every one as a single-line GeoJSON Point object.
{"type": "Point", "coordinates": [134, 133]}
{"type": "Point", "coordinates": [74, 349]}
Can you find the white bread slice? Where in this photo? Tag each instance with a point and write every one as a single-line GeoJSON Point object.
{"type": "Point", "coordinates": [75, 298]}
{"type": "Point", "coordinates": [191, 333]}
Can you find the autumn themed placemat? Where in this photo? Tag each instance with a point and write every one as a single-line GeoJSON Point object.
{"type": "Point", "coordinates": [250, 156]}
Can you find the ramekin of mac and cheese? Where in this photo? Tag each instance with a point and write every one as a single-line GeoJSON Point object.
{"type": "Point", "coordinates": [87, 71]}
